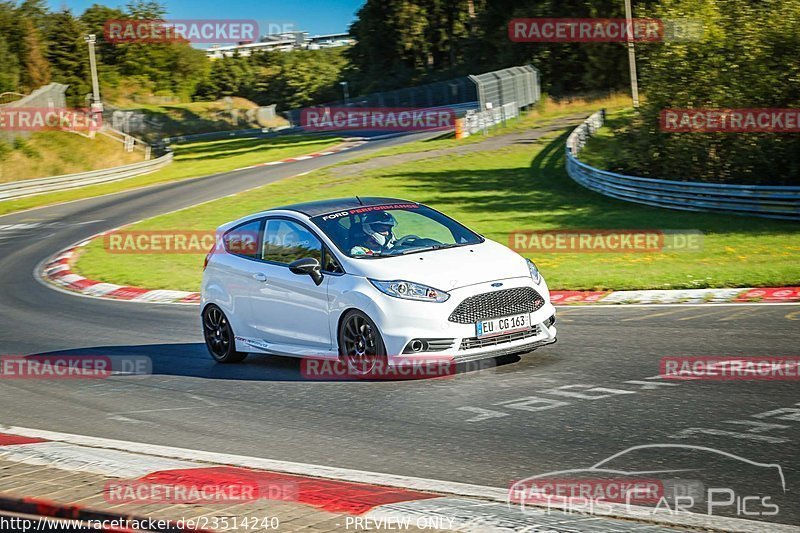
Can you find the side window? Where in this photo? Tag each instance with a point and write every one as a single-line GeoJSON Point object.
{"type": "Point", "coordinates": [243, 240]}
{"type": "Point", "coordinates": [330, 264]}
{"type": "Point", "coordinates": [286, 241]}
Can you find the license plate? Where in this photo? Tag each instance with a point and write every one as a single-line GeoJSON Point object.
{"type": "Point", "coordinates": [506, 324]}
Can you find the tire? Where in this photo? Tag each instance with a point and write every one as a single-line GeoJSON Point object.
{"type": "Point", "coordinates": [361, 346]}
{"type": "Point", "coordinates": [219, 337]}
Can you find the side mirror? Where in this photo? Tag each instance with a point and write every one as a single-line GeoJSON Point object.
{"type": "Point", "coordinates": [307, 265]}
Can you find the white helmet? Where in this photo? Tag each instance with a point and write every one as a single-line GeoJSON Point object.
{"type": "Point", "coordinates": [378, 225]}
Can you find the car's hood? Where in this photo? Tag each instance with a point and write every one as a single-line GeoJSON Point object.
{"type": "Point", "coordinates": [446, 269]}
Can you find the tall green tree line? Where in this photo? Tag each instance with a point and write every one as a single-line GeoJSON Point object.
{"type": "Point", "coordinates": [38, 46]}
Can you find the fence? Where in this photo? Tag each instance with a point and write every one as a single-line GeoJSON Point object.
{"type": "Point", "coordinates": [491, 90]}
{"type": "Point", "coordinates": [19, 189]}
{"type": "Point", "coordinates": [476, 121]}
{"type": "Point", "coordinates": [757, 200]}
{"type": "Point", "coordinates": [516, 84]}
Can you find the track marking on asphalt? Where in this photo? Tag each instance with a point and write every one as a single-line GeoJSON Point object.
{"type": "Point", "coordinates": [739, 313]}
{"type": "Point", "coordinates": [156, 410]}
{"type": "Point", "coordinates": [752, 434]}
{"type": "Point", "coordinates": [700, 315]}
{"type": "Point", "coordinates": [794, 315]}
{"type": "Point", "coordinates": [647, 317]}
{"type": "Point", "coordinates": [483, 414]}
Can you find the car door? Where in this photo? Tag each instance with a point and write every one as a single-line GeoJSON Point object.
{"type": "Point", "coordinates": [233, 281]}
{"type": "Point", "coordinates": [290, 311]}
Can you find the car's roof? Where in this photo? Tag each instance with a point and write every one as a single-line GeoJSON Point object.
{"type": "Point", "coordinates": [321, 207]}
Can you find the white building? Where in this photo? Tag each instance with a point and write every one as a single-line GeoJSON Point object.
{"type": "Point", "coordinates": [283, 42]}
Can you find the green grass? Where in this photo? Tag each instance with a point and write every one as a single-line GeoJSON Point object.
{"type": "Point", "coordinates": [603, 146]}
{"type": "Point", "coordinates": [544, 115]}
{"type": "Point", "coordinates": [52, 153]}
{"type": "Point", "coordinates": [191, 161]}
{"type": "Point", "coordinates": [518, 187]}
{"type": "Point", "coordinates": [200, 117]}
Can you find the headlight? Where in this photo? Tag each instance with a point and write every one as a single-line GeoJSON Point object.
{"type": "Point", "coordinates": [410, 291]}
{"type": "Point", "coordinates": [537, 278]}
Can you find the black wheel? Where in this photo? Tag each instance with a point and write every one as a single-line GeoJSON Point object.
{"type": "Point", "coordinates": [360, 343]}
{"type": "Point", "coordinates": [219, 336]}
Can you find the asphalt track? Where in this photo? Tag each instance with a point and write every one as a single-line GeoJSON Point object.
{"type": "Point", "coordinates": [566, 406]}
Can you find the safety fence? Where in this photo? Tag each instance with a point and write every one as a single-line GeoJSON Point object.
{"type": "Point", "coordinates": [20, 189]}
{"type": "Point", "coordinates": [475, 121]}
{"type": "Point", "coordinates": [520, 85]}
{"type": "Point", "coordinates": [489, 91]}
{"type": "Point", "coordinates": [757, 200]}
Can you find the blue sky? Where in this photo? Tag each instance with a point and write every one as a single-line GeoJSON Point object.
{"type": "Point", "coordinates": [313, 16]}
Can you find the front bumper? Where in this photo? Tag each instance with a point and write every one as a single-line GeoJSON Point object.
{"type": "Point", "coordinates": [403, 321]}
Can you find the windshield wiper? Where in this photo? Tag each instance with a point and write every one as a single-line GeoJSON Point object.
{"type": "Point", "coordinates": [429, 248]}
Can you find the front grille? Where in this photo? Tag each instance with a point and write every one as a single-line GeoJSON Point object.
{"type": "Point", "coordinates": [474, 342]}
{"type": "Point", "coordinates": [497, 304]}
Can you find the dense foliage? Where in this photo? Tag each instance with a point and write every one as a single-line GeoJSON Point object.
{"type": "Point", "coordinates": [749, 57]}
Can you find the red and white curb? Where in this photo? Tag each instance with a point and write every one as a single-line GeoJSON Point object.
{"type": "Point", "coordinates": [373, 500]}
{"type": "Point", "coordinates": [348, 145]}
{"type": "Point", "coordinates": [690, 296]}
{"type": "Point", "coordinates": [58, 270]}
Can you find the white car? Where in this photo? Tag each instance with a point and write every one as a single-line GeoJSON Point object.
{"type": "Point", "coordinates": [368, 277]}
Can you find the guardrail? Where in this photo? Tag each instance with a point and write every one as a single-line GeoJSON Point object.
{"type": "Point", "coordinates": [20, 189]}
{"type": "Point", "coordinates": [756, 200]}
{"type": "Point", "coordinates": [475, 121]}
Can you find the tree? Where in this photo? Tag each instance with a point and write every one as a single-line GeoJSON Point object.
{"type": "Point", "coordinates": [94, 20]}
{"type": "Point", "coordinates": [9, 74]}
{"type": "Point", "coordinates": [749, 57]}
{"type": "Point", "coordinates": [68, 55]}
{"type": "Point", "coordinates": [36, 69]}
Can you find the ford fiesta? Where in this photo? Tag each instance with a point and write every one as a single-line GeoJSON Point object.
{"type": "Point", "coordinates": [368, 277]}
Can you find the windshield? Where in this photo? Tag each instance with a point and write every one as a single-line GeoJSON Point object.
{"type": "Point", "coordinates": [391, 230]}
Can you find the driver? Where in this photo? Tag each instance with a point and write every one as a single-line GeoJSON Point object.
{"type": "Point", "coordinates": [376, 234]}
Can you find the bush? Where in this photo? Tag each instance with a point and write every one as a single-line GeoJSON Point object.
{"type": "Point", "coordinates": [747, 58]}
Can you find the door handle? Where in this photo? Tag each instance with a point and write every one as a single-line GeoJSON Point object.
{"type": "Point", "coordinates": [259, 276]}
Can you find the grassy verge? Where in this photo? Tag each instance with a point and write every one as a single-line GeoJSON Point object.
{"type": "Point", "coordinates": [544, 114]}
{"type": "Point", "coordinates": [52, 153]}
{"type": "Point", "coordinates": [203, 117]}
{"type": "Point", "coordinates": [603, 147]}
{"type": "Point", "coordinates": [518, 187]}
{"type": "Point", "coordinates": [191, 161]}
